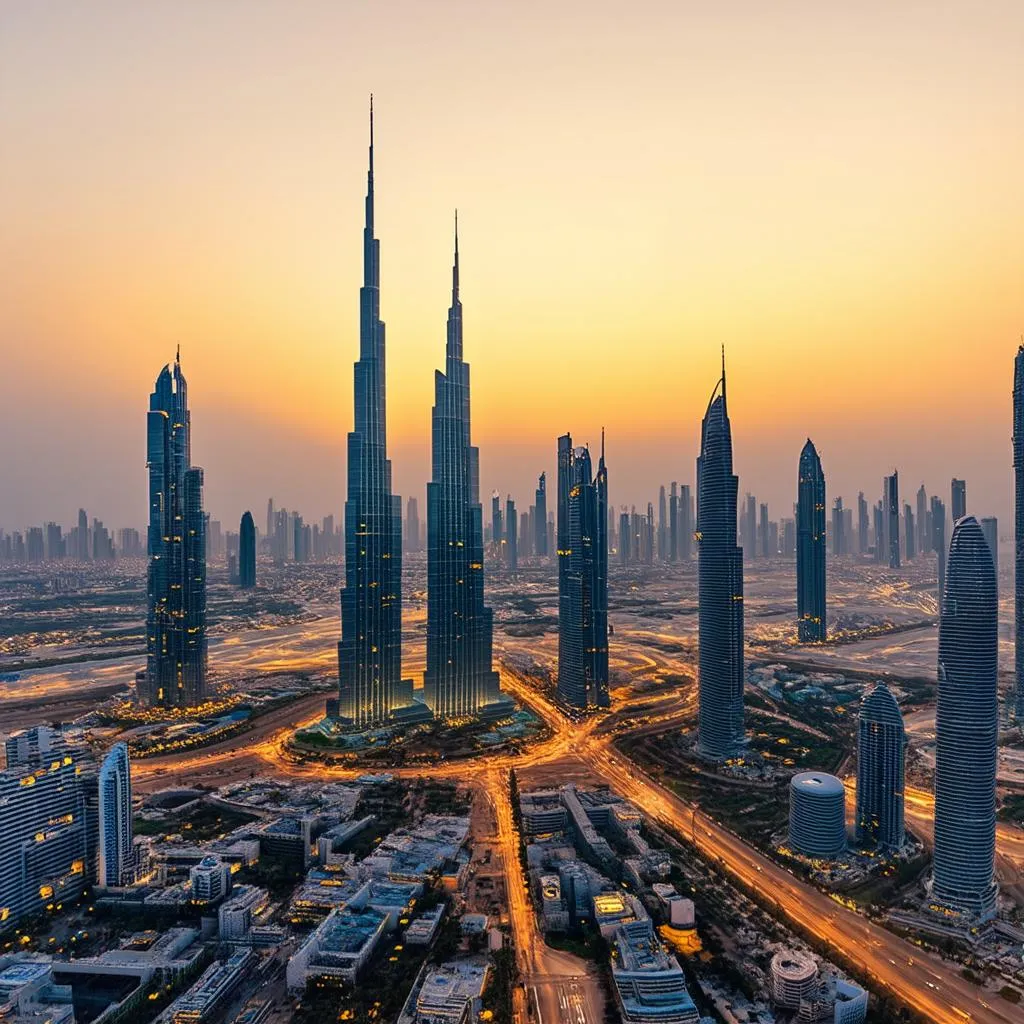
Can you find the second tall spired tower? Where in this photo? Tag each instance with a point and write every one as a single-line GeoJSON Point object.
{"type": "Point", "coordinates": [370, 651]}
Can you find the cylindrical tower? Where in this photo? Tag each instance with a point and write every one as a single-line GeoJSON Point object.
{"type": "Point", "coordinates": [817, 815]}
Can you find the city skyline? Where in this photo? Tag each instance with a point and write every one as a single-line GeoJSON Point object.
{"type": "Point", "coordinates": [117, 282]}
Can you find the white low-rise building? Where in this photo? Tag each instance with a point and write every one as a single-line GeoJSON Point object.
{"type": "Point", "coordinates": [338, 948]}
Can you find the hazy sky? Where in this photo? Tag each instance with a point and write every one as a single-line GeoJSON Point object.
{"type": "Point", "coordinates": [832, 190]}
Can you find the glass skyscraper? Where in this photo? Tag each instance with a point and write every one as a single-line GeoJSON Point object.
{"type": "Point", "coordinates": [720, 587]}
{"type": "Point", "coordinates": [116, 855]}
{"type": "Point", "coordinates": [966, 730]}
{"type": "Point", "coordinates": [880, 762]}
{"type": "Point", "coordinates": [247, 551]}
{"type": "Point", "coordinates": [370, 651]}
{"type": "Point", "coordinates": [582, 577]}
{"type": "Point", "coordinates": [810, 546]}
{"type": "Point", "coordinates": [175, 674]}
{"type": "Point", "coordinates": [459, 679]}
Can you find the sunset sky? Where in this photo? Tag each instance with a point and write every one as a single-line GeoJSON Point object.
{"type": "Point", "coordinates": [833, 191]}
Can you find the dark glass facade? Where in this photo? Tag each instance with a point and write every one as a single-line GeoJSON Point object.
{"type": "Point", "coordinates": [459, 679]}
{"type": "Point", "coordinates": [582, 577]}
{"type": "Point", "coordinates": [370, 651]}
{"type": "Point", "coordinates": [1018, 529]}
{"type": "Point", "coordinates": [810, 547]}
{"type": "Point", "coordinates": [720, 581]}
{"type": "Point", "coordinates": [966, 730]}
{"type": "Point", "coordinates": [247, 551]}
{"type": "Point", "coordinates": [175, 674]}
{"type": "Point", "coordinates": [880, 763]}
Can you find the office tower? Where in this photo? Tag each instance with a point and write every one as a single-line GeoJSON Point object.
{"type": "Point", "coordinates": [412, 525]}
{"type": "Point", "coordinates": [922, 513]}
{"type": "Point", "coordinates": [958, 498]}
{"type": "Point", "coordinates": [939, 542]}
{"type": "Point", "coordinates": [673, 523]}
{"type": "Point", "coordinates": [370, 650]}
{"type": "Point", "coordinates": [459, 679]}
{"type": "Point", "coordinates": [862, 524]}
{"type": "Point", "coordinates": [54, 542]}
{"type": "Point", "coordinates": [810, 546]}
{"type": "Point", "coordinates": [838, 540]}
{"type": "Point", "coordinates": [540, 518]}
{"type": "Point", "coordinates": [83, 536]}
{"type": "Point", "coordinates": [116, 855]}
{"type": "Point", "coordinates": [175, 674]}
{"type": "Point", "coordinates": [296, 536]}
{"type": "Point", "coordinates": [880, 753]}
{"type": "Point", "coordinates": [966, 730]}
{"type": "Point", "coordinates": [878, 521]}
{"type": "Point", "coordinates": [764, 543]}
{"type": "Point", "coordinates": [648, 541]}
{"type": "Point", "coordinates": [280, 544]}
{"type": "Point", "coordinates": [748, 525]}
{"type": "Point", "coordinates": [773, 538]}
{"type": "Point", "coordinates": [35, 546]}
{"type": "Point", "coordinates": [1018, 531]}
{"type": "Point", "coordinates": [662, 525]}
{"type": "Point", "coordinates": [551, 530]}
{"type": "Point", "coordinates": [582, 577]}
{"type": "Point", "coordinates": [213, 539]}
{"type": "Point", "coordinates": [524, 539]}
{"type": "Point", "coordinates": [270, 518]}
{"type": "Point", "coordinates": [720, 586]}
{"type": "Point", "coordinates": [247, 551]}
{"type": "Point", "coordinates": [687, 522]}
{"type": "Point", "coordinates": [496, 535]}
{"type": "Point", "coordinates": [990, 528]}
{"type": "Point", "coordinates": [891, 520]}
{"type": "Point", "coordinates": [789, 538]}
{"type": "Point", "coordinates": [44, 792]}
{"type": "Point", "coordinates": [909, 532]}
{"type": "Point", "coordinates": [817, 815]}
{"type": "Point", "coordinates": [625, 537]}
{"type": "Point", "coordinates": [511, 535]}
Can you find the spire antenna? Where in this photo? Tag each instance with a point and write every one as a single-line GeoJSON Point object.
{"type": "Point", "coordinates": [723, 372]}
{"type": "Point", "coordinates": [455, 265]}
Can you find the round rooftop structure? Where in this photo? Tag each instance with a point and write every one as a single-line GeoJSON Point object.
{"type": "Point", "coordinates": [817, 815]}
{"type": "Point", "coordinates": [794, 977]}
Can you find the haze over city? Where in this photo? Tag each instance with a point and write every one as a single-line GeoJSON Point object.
{"type": "Point", "coordinates": [834, 194]}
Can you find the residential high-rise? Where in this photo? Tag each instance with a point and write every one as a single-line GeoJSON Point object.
{"type": "Point", "coordinates": [958, 498]}
{"type": "Point", "coordinates": [862, 525]}
{"type": "Point", "coordinates": [810, 546]}
{"type": "Point", "coordinates": [880, 754]}
{"type": "Point", "coordinates": [412, 525]}
{"type": "Point", "coordinates": [673, 523]}
{"type": "Point", "coordinates": [116, 854]}
{"type": "Point", "coordinates": [370, 650]}
{"type": "Point", "coordinates": [909, 532]}
{"type": "Point", "coordinates": [582, 577]}
{"type": "Point", "coordinates": [625, 537]}
{"type": "Point", "coordinates": [540, 518]}
{"type": "Point", "coordinates": [838, 534]}
{"type": "Point", "coordinates": [966, 730]}
{"type": "Point", "coordinates": [938, 517]}
{"type": "Point", "coordinates": [511, 535]}
{"type": "Point", "coordinates": [271, 520]}
{"type": "Point", "coordinates": [247, 551]}
{"type": "Point", "coordinates": [459, 679]}
{"type": "Point", "coordinates": [720, 587]}
{"type": "Point", "coordinates": [891, 517]}
{"type": "Point", "coordinates": [496, 531]}
{"type": "Point", "coordinates": [922, 514]}
{"type": "Point", "coordinates": [662, 525]}
{"type": "Point", "coordinates": [1018, 531]}
{"type": "Point", "coordinates": [175, 673]}
{"type": "Point", "coordinates": [764, 543]}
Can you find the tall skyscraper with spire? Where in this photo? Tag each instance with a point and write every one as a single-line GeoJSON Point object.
{"type": "Point", "coordinates": [966, 731]}
{"type": "Point", "coordinates": [459, 679]}
{"type": "Point", "coordinates": [720, 732]}
{"type": "Point", "coordinates": [1018, 530]}
{"type": "Point", "coordinates": [175, 673]}
{"type": "Point", "coordinates": [810, 546]}
{"type": "Point", "coordinates": [540, 543]}
{"type": "Point", "coordinates": [582, 577]}
{"type": "Point", "coordinates": [370, 651]}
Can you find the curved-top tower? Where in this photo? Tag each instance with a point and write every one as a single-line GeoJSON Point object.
{"type": "Point", "coordinates": [810, 546]}
{"type": "Point", "coordinates": [720, 581]}
{"type": "Point", "coordinates": [1018, 530]}
{"type": "Point", "coordinates": [966, 728]}
{"type": "Point", "coordinates": [175, 674]}
{"type": "Point", "coordinates": [370, 651]}
{"type": "Point", "coordinates": [880, 763]}
{"type": "Point", "coordinates": [116, 853]}
{"type": "Point", "coordinates": [459, 679]}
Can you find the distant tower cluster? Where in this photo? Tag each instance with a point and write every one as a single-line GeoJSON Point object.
{"type": "Point", "coordinates": [966, 731]}
{"type": "Point", "coordinates": [810, 547]}
{"type": "Point", "coordinates": [459, 679]}
{"type": "Point", "coordinates": [176, 646]}
{"type": "Point", "coordinates": [582, 577]}
{"type": "Point", "coordinates": [720, 587]}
